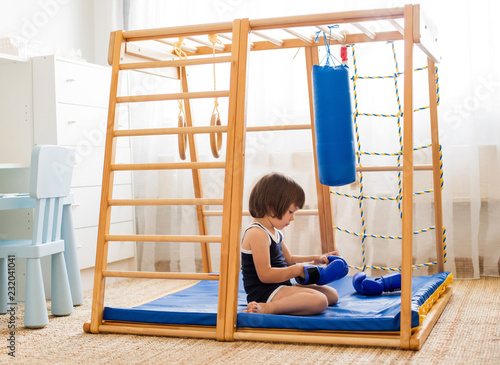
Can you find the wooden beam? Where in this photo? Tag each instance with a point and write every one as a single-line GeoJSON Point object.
{"type": "Point", "coordinates": [175, 32]}
{"type": "Point", "coordinates": [216, 213]}
{"type": "Point", "coordinates": [396, 25]}
{"type": "Point", "coordinates": [161, 238]}
{"type": "Point", "coordinates": [173, 96]}
{"type": "Point", "coordinates": [365, 30]}
{"type": "Point", "coordinates": [327, 18]}
{"type": "Point", "coordinates": [319, 337]}
{"type": "Point", "coordinates": [436, 163]}
{"type": "Point", "coordinates": [341, 38]}
{"type": "Point", "coordinates": [305, 38]}
{"type": "Point", "coordinates": [171, 42]}
{"type": "Point", "coordinates": [106, 190]}
{"type": "Point", "coordinates": [418, 338]}
{"type": "Point", "coordinates": [407, 239]}
{"type": "Point", "coordinates": [393, 168]}
{"type": "Point", "coordinates": [237, 175]}
{"type": "Point", "coordinates": [142, 202]}
{"type": "Point", "coordinates": [148, 53]}
{"type": "Point", "coordinates": [206, 332]}
{"type": "Point", "coordinates": [228, 37]}
{"type": "Point", "coordinates": [111, 48]}
{"type": "Point", "coordinates": [218, 47]}
{"type": "Point", "coordinates": [296, 43]}
{"type": "Point", "coordinates": [273, 40]}
{"type": "Point", "coordinates": [197, 182]}
{"type": "Point", "coordinates": [355, 16]}
{"type": "Point", "coordinates": [165, 131]}
{"type": "Point", "coordinates": [160, 275]}
{"type": "Point", "coordinates": [167, 166]}
{"type": "Point", "coordinates": [175, 63]}
{"type": "Point", "coordinates": [426, 39]}
{"type": "Point", "coordinates": [286, 127]}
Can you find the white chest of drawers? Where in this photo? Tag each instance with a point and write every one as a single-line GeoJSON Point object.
{"type": "Point", "coordinates": [70, 106]}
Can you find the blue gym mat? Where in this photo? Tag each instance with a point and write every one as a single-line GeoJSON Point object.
{"type": "Point", "coordinates": [197, 305]}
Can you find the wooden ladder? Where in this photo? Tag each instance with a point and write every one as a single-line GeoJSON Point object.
{"type": "Point", "coordinates": [233, 167]}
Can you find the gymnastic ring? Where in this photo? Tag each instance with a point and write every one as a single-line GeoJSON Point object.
{"type": "Point", "coordinates": [182, 138]}
{"type": "Point", "coordinates": [215, 138]}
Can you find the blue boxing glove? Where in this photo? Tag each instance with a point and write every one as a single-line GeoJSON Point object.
{"type": "Point", "coordinates": [336, 269]}
{"type": "Point", "coordinates": [375, 286]}
{"type": "Point", "coordinates": [339, 266]}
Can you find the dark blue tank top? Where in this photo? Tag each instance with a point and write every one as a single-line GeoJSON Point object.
{"type": "Point", "coordinates": [257, 290]}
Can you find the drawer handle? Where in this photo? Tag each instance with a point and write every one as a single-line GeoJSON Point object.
{"type": "Point", "coordinates": [71, 121]}
{"type": "Point", "coordinates": [70, 80]}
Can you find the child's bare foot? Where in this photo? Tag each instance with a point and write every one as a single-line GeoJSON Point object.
{"type": "Point", "coordinates": [254, 307]}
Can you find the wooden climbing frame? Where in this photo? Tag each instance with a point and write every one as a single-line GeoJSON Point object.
{"type": "Point", "coordinates": [406, 24]}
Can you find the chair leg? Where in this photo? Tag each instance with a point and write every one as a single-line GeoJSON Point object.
{"type": "Point", "coordinates": [35, 308]}
{"type": "Point", "coordinates": [71, 255]}
{"type": "Point", "coordinates": [4, 298]}
{"type": "Point", "coordinates": [62, 303]}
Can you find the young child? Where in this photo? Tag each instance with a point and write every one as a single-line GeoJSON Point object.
{"type": "Point", "coordinates": [266, 262]}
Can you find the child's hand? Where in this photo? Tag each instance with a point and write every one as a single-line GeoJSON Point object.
{"type": "Point", "coordinates": [333, 253]}
{"type": "Point", "coordinates": [322, 260]}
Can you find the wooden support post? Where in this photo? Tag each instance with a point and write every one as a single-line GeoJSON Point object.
{"type": "Point", "coordinates": [240, 40]}
{"type": "Point", "coordinates": [107, 188]}
{"type": "Point", "coordinates": [228, 285]}
{"type": "Point", "coordinates": [407, 252]}
{"type": "Point", "coordinates": [436, 165]}
{"type": "Point", "coordinates": [198, 189]}
{"type": "Point", "coordinates": [323, 191]}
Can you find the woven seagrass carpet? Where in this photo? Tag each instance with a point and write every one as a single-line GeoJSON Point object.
{"type": "Point", "coordinates": [468, 332]}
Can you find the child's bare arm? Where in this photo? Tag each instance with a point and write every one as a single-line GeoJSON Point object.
{"type": "Point", "coordinates": [314, 259]}
{"type": "Point", "coordinates": [310, 259]}
{"type": "Point", "coordinates": [259, 242]}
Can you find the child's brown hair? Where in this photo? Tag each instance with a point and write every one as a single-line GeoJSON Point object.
{"type": "Point", "coordinates": [273, 195]}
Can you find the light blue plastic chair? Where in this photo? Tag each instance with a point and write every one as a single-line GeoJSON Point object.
{"type": "Point", "coordinates": [50, 181]}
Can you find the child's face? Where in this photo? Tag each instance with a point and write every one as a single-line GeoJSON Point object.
{"type": "Point", "coordinates": [287, 218]}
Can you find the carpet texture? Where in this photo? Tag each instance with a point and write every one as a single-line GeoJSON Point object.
{"type": "Point", "coordinates": [468, 332]}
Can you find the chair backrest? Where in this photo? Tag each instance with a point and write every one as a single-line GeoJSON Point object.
{"type": "Point", "coordinates": [50, 182]}
{"type": "Point", "coordinates": [51, 171]}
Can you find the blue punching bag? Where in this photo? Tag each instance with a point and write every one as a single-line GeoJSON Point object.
{"type": "Point", "coordinates": [335, 148]}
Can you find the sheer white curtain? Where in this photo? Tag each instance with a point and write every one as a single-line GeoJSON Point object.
{"type": "Point", "coordinates": [468, 121]}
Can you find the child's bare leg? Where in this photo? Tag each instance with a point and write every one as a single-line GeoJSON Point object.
{"type": "Point", "coordinates": [330, 293]}
{"type": "Point", "coordinates": [292, 300]}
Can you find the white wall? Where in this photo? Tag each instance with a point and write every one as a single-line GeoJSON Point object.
{"type": "Point", "coordinates": [104, 23]}
{"type": "Point", "coordinates": [69, 28]}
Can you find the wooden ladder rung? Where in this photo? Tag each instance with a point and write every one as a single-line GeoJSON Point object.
{"type": "Point", "coordinates": [177, 31]}
{"type": "Point", "coordinates": [175, 63]}
{"type": "Point", "coordinates": [141, 202]}
{"type": "Point", "coordinates": [174, 96]}
{"type": "Point", "coordinates": [217, 213]}
{"type": "Point", "coordinates": [165, 131]}
{"type": "Point", "coordinates": [160, 275]}
{"type": "Point", "coordinates": [162, 238]}
{"type": "Point", "coordinates": [392, 168]}
{"type": "Point", "coordinates": [168, 166]}
{"type": "Point", "coordinates": [288, 127]}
